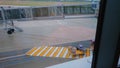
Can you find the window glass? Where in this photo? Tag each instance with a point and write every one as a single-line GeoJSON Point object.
{"type": "Point", "coordinates": [44, 12]}
{"type": "Point", "coordinates": [0, 15]}
{"type": "Point", "coordinates": [37, 12]}
{"type": "Point", "coordinates": [12, 14]}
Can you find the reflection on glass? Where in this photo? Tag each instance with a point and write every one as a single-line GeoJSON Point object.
{"type": "Point", "coordinates": [119, 62]}
{"type": "Point", "coordinates": [28, 12]}
{"type": "Point", "coordinates": [22, 13]}
{"type": "Point", "coordinates": [36, 12]}
{"type": "Point", "coordinates": [12, 14]}
{"type": "Point", "coordinates": [44, 11]}
{"type": "Point", "coordinates": [0, 16]}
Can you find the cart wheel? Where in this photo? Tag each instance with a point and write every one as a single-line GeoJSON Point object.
{"type": "Point", "coordinates": [9, 32]}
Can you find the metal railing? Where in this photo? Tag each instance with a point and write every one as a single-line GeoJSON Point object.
{"type": "Point", "coordinates": [31, 13]}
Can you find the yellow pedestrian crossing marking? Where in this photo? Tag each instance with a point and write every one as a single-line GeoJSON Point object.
{"type": "Point", "coordinates": [87, 52]}
{"type": "Point", "coordinates": [32, 50]}
{"type": "Point", "coordinates": [41, 50]}
{"type": "Point", "coordinates": [38, 51]}
{"type": "Point", "coordinates": [52, 51]}
{"type": "Point", "coordinates": [55, 54]}
{"type": "Point", "coordinates": [68, 55]}
{"type": "Point", "coordinates": [44, 51]}
{"type": "Point", "coordinates": [81, 56]}
{"type": "Point", "coordinates": [62, 53]}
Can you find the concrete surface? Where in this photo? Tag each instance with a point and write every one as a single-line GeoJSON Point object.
{"type": "Point", "coordinates": [47, 32]}
{"type": "Point", "coordinates": [44, 32]}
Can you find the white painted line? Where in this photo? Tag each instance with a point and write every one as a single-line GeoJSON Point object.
{"type": "Point", "coordinates": [47, 51]}
{"type": "Point", "coordinates": [53, 52]}
{"type": "Point", "coordinates": [65, 53]}
{"type": "Point", "coordinates": [41, 51]}
{"type": "Point", "coordinates": [77, 57]}
{"type": "Point", "coordinates": [12, 57]}
{"type": "Point", "coordinates": [60, 52]}
{"type": "Point", "coordinates": [70, 56]}
{"type": "Point", "coordinates": [35, 51]}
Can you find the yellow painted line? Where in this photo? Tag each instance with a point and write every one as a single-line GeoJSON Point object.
{"type": "Point", "coordinates": [87, 52]}
{"type": "Point", "coordinates": [53, 52]}
{"type": "Point", "coordinates": [62, 53]}
{"type": "Point", "coordinates": [41, 50]}
{"type": "Point", "coordinates": [44, 51]}
{"type": "Point", "coordinates": [50, 52]}
{"type": "Point", "coordinates": [65, 53]}
{"type": "Point", "coordinates": [79, 52]}
{"type": "Point", "coordinates": [35, 50]}
{"type": "Point", "coordinates": [81, 56]}
{"type": "Point", "coordinates": [32, 50]}
{"type": "Point", "coordinates": [47, 51]}
{"type": "Point", "coordinates": [68, 55]}
{"type": "Point", "coordinates": [35, 54]}
{"type": "Point", "coordinates": [73, 56]}
{"type": "Point", "coordinates": [57, 51]}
